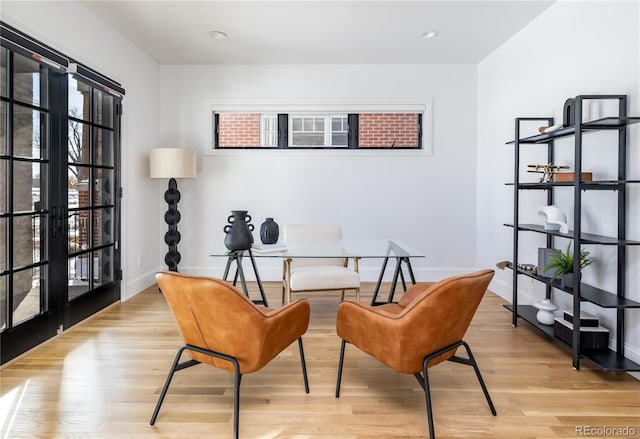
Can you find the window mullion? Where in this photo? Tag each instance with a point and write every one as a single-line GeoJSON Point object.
{"type": "Point", "coordinates": [283, 130]}
{"type": "Point", "coordinates": [327, 130]}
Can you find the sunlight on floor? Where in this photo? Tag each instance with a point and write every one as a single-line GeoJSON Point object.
{"type": "Point", "coordinates": [9, 407]}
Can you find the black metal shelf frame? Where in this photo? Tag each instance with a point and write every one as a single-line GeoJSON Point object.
{"type": "Point", "coordinates": [601, 185]}
{"type": "Point", "coordinates": [607, 123]}
{"type": "Point", "coordinates": [586, 238]}
{"type": "Point", "coordinates": [607, 360]}
{"type": "Point", "coordinates": [588, 293]}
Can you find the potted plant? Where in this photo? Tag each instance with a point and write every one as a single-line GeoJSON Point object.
{"type": "Point", "coordinates": [562, 263]}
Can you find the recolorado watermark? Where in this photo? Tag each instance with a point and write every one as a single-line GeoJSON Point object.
{"type": "Point", "coordinates": [623, 431]}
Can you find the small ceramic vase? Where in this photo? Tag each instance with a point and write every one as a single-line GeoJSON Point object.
{"type": "Point", "coordinates": [269, 231]}
{"type": "Point", "coordinates": [545, 311]}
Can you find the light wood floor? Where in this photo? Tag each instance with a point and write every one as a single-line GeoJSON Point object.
{"type": "Point", "coordinates": [102, 378]}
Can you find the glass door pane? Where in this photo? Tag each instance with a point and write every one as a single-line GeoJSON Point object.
{"type": "Point", "coordinates": [24, 216]}
{"type": "Point", "coordinates": [91, 185]}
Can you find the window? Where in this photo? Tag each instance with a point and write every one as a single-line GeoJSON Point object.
{"type": "Point", "coordinates": [318, 131]}
{"type": "Point", "coordinates": [269, 130]}
{"type": "Point", "coordinates": [364, 126]}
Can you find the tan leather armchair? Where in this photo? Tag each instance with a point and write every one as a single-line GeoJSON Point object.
{"type": "Point", "coordinates": [424, 329]}
{"type": "Point", "coordinates": [223, 328]}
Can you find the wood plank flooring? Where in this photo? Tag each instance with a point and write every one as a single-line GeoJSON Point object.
{"type": "Point", "coordinates": [102, 379]}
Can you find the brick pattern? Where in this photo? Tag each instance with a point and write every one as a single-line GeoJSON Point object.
{"type": "Point", "coordinates": [239, 129]}
{"type": "Point", "coordinates": [388, 129]}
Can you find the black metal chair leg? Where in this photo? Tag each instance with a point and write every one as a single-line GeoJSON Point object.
{"type": "Point", "coordinates": [236, 402]}
{"type": "Point", "coordinates": [340, 368]}
{"type": "Point", "coordinates": [304, 366]}
{"type": "Point", "coordinates": [477, 370]}
{"type": "Point", "coordinates": [427, 398]}
{"type": "Point", "coordinates": [166, 385]}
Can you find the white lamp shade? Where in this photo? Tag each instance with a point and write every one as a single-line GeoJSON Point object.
{"type": "Point", "coordinates": [172, 163]}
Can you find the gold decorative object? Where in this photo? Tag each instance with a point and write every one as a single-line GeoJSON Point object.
{"type": "Point", "coordinates": [547, 171]}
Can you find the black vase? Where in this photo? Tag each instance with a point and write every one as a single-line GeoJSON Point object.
{"type": "Point", "coordinates": [238, 231]}
{"type": "Point", "coordinates": [269, 231]}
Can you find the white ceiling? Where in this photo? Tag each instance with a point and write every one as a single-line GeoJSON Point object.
{"type": "Point", "coordinates": [317, 32]}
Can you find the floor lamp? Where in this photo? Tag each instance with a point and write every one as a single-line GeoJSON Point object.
{"type": "Point", "coordinates": [172, 163]}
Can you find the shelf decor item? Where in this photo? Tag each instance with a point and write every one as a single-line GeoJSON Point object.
{"type": "Point", "coordinates": [556, 219]}
{"type": "Point", "coordinates": [569, 176]}
{"type": "Point", "coordinates": [269, 231]}
{"type": "Point", "coordinates": [591, 337]}
{"type": "Point", "coordinates": [569, 113]}
{"type": "Point", "coordinates": [545, 311]}
{"type": "Point", "coordinates": [238, 231]}
{"type": "Point", "coordinates": [547, 171]}
{"type": "Point", "coordinates": [544, 259]}
{"type": "Point", "coordinates": [562, 264]}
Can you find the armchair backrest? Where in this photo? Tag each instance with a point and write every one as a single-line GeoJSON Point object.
{"type": "Point", "coordinates": [213, 315]}
{"type": "Point", "coordinates": [440, 314]}
{"type": "Point", "coordinates": [324, 238]}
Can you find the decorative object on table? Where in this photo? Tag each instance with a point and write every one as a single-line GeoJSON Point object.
{"type": "Point", "coordinates": [569, 113]}
{"type": "Point", "coordinates": [562, 264]}
{"type": "Point", "coordinates": [547, 171]}
{"type": "Point", "coordinates": [592, 335]}
{"type": "Point", "coordinates": [172, 163]}
{"type": "Point", "coordinates": [269, 231]}
{"type": "Point", "coordinates": [549, 129]}
{"type": "Point", "coordinates": [544, 259]}
{"type": "Point", "coordinates": [545, 311]}
{"type": "Point", "coordinates": [556, 219]}
{"type": "Point", "coordinates": [258, 247]}
{"type": "Point", "coordinates": [238, 231]}
{"type": "Point", "coordinates": [569, 176]}
{"type": "Point", "coordinates": [529, 268]}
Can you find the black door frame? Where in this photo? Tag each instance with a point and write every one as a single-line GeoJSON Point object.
{"type": "Point", "coordinates": [59, 313]}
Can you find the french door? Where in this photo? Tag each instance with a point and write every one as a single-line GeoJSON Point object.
{"type": "Point", "coordinates": [59, 197]}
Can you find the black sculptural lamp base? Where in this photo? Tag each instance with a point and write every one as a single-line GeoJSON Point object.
{"type": "Point", "coordinates": [172, 218]}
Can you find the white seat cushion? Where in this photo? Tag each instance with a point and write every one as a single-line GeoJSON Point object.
{"type": "Point", "coordinates": [327, 277]}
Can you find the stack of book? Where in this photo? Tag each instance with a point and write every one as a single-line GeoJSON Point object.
{"type": "Point", "coordinates": [258, 247]}
{"type": "Point", "coordinates": [592, 335]}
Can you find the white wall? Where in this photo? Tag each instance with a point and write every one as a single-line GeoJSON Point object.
{"type": "Point", "coordinates": [70, 28]}
{"type": "Point", "coordinates": [427, 201]}
{"type": "Point", "coordinates": [572, 48]}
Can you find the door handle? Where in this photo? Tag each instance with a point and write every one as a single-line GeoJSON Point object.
{"type": "Point", "coordinates": [54, 216]}
{"type": "Point", "coordinates": [56, 220]}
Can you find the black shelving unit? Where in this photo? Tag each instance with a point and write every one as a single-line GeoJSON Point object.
{"type": "Point", "coordinates": [606, 359]}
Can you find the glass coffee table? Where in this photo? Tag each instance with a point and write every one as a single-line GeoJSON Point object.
{"type": "Point", "coordinates": [386, 250]}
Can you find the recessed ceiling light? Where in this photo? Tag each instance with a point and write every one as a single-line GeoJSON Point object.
{"type": "Point", "coordinates": [429, 34]}
{"type": "Point", "coordinates": [218, 35]}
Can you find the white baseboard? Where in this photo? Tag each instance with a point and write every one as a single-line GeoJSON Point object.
{"type": "Point", "coordinates": [131, 287]}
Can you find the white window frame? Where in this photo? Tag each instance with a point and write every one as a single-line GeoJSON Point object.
{"type": "Point", "coordinates": [271, 117]}
{"type": "Point", "coordinates": [421, 105]}
{"type": "Point", "coordinates": [328, 129]}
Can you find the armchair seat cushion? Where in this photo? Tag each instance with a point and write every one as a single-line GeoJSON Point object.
{"type": "Point", "coordinates": [326, 277]}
